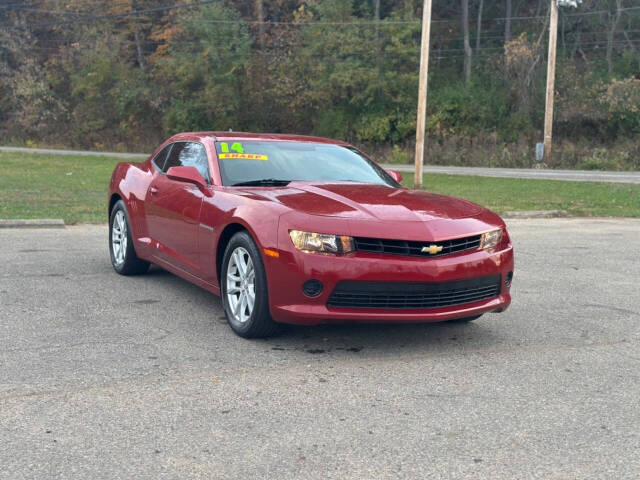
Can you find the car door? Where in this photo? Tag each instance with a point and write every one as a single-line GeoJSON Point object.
{"type": "Point", "coordinates": [173, 208]}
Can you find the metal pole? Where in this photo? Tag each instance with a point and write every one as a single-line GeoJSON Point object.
{"type": "Point", "coordinates": [551, 78]}
{"type": "Point", "coordinates": [422, 92]}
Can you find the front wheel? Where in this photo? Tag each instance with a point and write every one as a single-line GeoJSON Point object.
{"type": "Point", "coordinates": [243, 282]}
{"type": "Point", "coordinates": [123, 254]}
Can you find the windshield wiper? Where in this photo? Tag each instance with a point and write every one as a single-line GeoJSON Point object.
{"type": "Point", "coordinates": [265, 181]}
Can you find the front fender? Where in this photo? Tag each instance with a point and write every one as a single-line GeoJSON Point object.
{"type": "Point", "coordinates": [226, 210]}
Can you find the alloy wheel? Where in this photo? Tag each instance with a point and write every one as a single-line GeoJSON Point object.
{"type": "Point", "coordinates": [241, 290]}
{"type": "Point", "coordinates": [119, 237]}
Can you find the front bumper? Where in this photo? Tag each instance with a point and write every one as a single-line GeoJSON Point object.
{"type": "Point", "coordinates": [293, 268]}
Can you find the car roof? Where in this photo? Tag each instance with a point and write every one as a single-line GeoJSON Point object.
{"type": "Point", "coordinates": [199, 136]}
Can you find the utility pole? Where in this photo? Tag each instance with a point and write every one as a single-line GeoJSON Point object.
{"type": "Point", "coordinates": [551, 81]}
{"type": "Point", "coordinates": [422, 92]}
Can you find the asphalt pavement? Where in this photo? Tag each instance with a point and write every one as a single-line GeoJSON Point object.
{"type": "Point", "coordinates": [111, 377]}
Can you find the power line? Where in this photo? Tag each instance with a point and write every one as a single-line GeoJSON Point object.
{"type": "Point", "coordinates": [33, 5]}
{"type": "Point", "coordinates": [31, 8]}
{"type": "Point", "coordinates": [599, 12]}
{"type": "Point", "coordinates": [91, 18]}
{"type": "Point", "coordinates": [27, 9]}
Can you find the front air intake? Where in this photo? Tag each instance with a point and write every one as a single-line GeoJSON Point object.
{"type": "Point", "coordinates": [402, 295]}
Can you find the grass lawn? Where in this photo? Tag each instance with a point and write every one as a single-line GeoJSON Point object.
{"type": "Point", "coordinates": [74, 188]}
{"type": "Point", "coordinates": [70, 187]}
{"type": "Point", "coordinates": [585, 199]}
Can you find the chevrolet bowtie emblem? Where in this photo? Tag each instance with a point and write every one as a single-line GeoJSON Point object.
{"type": "Point", "coordinates": [432, 249]}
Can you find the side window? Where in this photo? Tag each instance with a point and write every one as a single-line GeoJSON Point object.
{"type": "Point", "coordinates": [161, 157]}
{"type": "Point", "coordinates": [189, 154]}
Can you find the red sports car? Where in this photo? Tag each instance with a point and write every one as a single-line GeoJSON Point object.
{"type": "Point", "coordinates": [305, 230]}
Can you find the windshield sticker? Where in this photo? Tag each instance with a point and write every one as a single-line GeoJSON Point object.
{"type": "Point", "coordinates": [235, 147]}
{"type": "Point", "coordinates": [245, 156]}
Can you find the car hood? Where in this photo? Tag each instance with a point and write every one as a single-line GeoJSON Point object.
{"type": "Point", "coordinates": [368, 202]}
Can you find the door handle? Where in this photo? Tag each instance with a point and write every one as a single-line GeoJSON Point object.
{"type": "Point", "coordinates": [153, 190]}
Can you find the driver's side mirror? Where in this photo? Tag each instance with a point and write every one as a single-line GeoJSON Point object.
{"type": "Point", "coordinates": [187, 174]}
{"type": "Point", "coordinates": [396, 175]}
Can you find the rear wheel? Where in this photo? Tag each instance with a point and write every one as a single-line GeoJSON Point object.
{"type": "Point", "coordinates": [465, 320]}
{"type": "Point", "coordinates": [123, 254]}
{"type": "Point", "coordinates": [243, 282]}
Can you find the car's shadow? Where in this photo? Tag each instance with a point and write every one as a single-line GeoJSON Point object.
{"type": "Point", "coordinates": [350, 338]}
{"type": "Point", "coordinates": [391, 339]}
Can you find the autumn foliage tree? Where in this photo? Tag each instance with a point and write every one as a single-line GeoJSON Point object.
{"type": "Point", "coordinates": [125, 74]}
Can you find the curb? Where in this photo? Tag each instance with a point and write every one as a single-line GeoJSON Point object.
{"type": "Point", "coordinates": [536, 214]}
{"type": "Point", "coordinates": [33, 223]}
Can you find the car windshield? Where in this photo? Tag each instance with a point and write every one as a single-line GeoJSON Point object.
{"type": "Point", "coordinates": [275, 163]}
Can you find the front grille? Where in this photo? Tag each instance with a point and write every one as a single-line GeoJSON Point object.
{"type": "Point", "coordinates": [404, 295]}
{"type": "Point", "coordinates": [414, 249]}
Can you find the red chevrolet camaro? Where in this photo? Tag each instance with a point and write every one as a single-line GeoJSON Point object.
{"type": "Point", "coordinates": [305, 230]}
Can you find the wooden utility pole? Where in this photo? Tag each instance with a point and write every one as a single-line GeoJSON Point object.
{"type": "Point", "coordinates": [551, 81]}
{"type": "Point", "coordinates": [422, 91]}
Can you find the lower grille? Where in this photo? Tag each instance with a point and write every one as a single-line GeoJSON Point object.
{"type": "Point", "coordinates": [403, 295]}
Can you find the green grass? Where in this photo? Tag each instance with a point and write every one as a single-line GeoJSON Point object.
{"type": "Point", "coordinates": [70, 187]}
{"type": "Point", "coordinates": [74, 188]}
{"type": "Point", "coordinates": [584, 199]}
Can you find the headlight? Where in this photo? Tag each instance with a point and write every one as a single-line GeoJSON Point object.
{"type": "Point", "coordinates": [321, 243]}
{"type": "Point", "coordinates": [491, 239]}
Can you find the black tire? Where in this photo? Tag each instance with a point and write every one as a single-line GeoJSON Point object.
{"type": "Point", "coordinates": [131, 265]}
{"type": "Point", "coordinates": [465, 320]}
{"type": "Point", "coordinates": [259, 324]}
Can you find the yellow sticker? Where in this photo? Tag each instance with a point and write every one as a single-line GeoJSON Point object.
{"type": "Point", "coordinates": [245, 156]}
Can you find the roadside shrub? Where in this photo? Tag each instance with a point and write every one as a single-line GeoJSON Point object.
{"type": "Point", "coordinates": [622, 98]}
{"type": "Point", "coordinates": [603, 159]}
{"type": "Point", "coordinates": [491, 152]}
{"type": "Point", "coordinates": [400, 155]}
{"type": "Point", "coordinates": [184, 116]}
{"type": "Point", "coordinates": [376, 128]}
{"type": "Point", "coordinates": [333, 123]}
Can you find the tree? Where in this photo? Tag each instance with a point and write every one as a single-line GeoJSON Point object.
{"type": "Point", "coordinates": [479, 25]}
{"type": "Point", "coordinates": [467, 45]}
{"type": "Point", "coordinates": [260, 20]}
{"type": "Point", "coordinates": [507, 22]}
{"type": "Point", "coordinates": [138, 37]}
{"type": "Point", "coordinates": [615, 20]}
{"type": "Point", "coordinates": [207, 67]}
{"type": "Point", "coordinates": [113, 74]}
